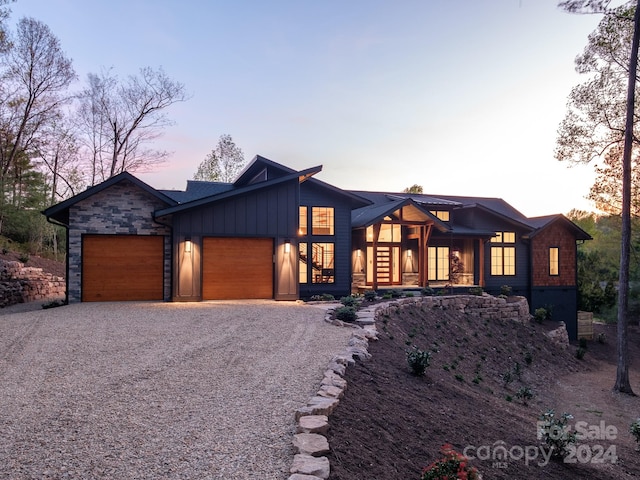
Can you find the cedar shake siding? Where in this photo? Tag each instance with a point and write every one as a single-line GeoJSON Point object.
{"type": "Point", "coordinates": [557, 236]}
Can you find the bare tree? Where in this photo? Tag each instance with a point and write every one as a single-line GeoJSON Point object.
{"type": "Point", "coordinates": [120, 119]}
{"type": "Point", "coordinates": [34, 83]}
{"type": "Point", "coordinates": [622, 383]}
{"type": "Point", "coordinates": [223, 163]}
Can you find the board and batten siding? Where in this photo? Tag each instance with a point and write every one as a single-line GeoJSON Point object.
{"type": "Point", "coordinates": [314, 195]}
{"type": "Point", "coordinates": [271, 212]}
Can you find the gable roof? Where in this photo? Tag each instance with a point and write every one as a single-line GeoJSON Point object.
{"type": "Point", "coordinates": [541, 223]}
{"type": "Point", "coordinates": [197, 189]}
{"type": "Point", "coordinates": [302, 175]}
{"type": "Point", "coordinates": [60, 211]}
{"type": "Point", "coordinates": [375, 212]}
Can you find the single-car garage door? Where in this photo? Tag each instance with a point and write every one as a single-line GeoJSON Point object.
{"type": "Point", "coordinates": [237, 268]}
{"type": "Point", "coordinates": [122, 268]}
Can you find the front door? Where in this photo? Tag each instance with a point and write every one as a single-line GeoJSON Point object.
{"type": "Point", "coordinates": [387, 264]}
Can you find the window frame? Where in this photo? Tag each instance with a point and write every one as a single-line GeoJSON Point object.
{"type": "Point", "coordinates": [323, 228]}
{"type": "Point", "coordinates": [554, 262]}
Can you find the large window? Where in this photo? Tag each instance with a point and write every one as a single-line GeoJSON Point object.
{"type": "Point", "coordinates": [317, 264]}
{"type": "Point", "coordinates": [441, 215]}
{"type": "Point", "coordinates": [438, 263]}
{"type": "Point", "coordinates": [503, 258]}
{"type": "Point", "coordinates": [322, 220]}
{"type": "Point", "coordinates": [554, 261]}
{"type": "Point", "coordinates": [302, 229]}
{"type": "Point", "coordinates": [303, 263]}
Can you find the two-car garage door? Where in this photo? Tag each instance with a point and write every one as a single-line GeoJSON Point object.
{"type": "Point", "coordinates": [122, 268]}
{"type": "Point", "coordinates": [131, 267]}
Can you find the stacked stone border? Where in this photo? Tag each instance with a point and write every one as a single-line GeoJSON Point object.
{"type": "Point", "coordinates": [20, 284]}
{"type": "Point", "coordinates": [312, 420]}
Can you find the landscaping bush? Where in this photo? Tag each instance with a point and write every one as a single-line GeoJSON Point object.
{"type": "Point", "coordinates": [540, 314]}
{"type": "Point", "coordinates": [452, 466]}
{"type": "Point", "coordinates": [370, 295]}
{"type": "Point", "coordinates": [524, 394]}
{"type": "Point", "coordinates": [346, 314]}
{"type": "Point", "coordinates": [635, 430]}
{"type": "Point", "coordinates": [555, 433]}
{"type": "Point", "coordinates": [427, 291]}
{"type": "Point", "coordinates": [580, 352]}
{"type": "Point", "coordinates": [418, 361]}
{"type": "Point", "coordinates": [476, 291]}
{"type": "Point", "coordinates": [349, 301]}
{"type": "Point", "coordinates": [395, 293]}
{"type": "Point", "coordinates": [505, 290]}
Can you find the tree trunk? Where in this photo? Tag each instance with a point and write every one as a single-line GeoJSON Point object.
{"type": "Point", "coordinates": [622, 375]}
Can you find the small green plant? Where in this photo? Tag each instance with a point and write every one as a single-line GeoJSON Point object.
{"type": "Point", "coordinates": [634, 428]}
{"type": "Point", "coordinates": [580, 352]}
{"type": "Point", "coordinates": [418, 361]}
{"type": "Point", "coordinates": [505, 290]}
{"type": "Point", "coordinates": [5, 251]}
{"type": "Point", "coordinates": [476, 291]}
{"type": "Point", "coordinates": [508, 398]}
{"type": "Point", "coordinates": [452, 466]}
{"type": "Point", "coordinates": [582, 342]}
{"type": "Point", "coordinates": [555, 433]}
{"type": "Point", "coordinates": [409, 294]}
{"type": "Point", "coordinates": [540, 314]}
{"type": "Point", "coordinates": [517, 370]}
{"type": "Point", "coordinates": [427, 291]}
{"type": "Point", "coordinates": [386, 296]}
{"type": "Point", "coordinates": [507, 378]}
{"type": "Point", "coordinates": [24, 257]}
{"type": "Point", "coordinates": [395, 293]}
{"type": "Point", "coordinates": [602, 338]}
{"type": "Point", "coordinates": [477, 379]}
{"type": "Point", "coordinates": [524, 394]}
{"type": "Point", "coordinates": [459, 377]}
{"type": "Point", "coordinates": [346, 314]}
{"type": "Point", "coordinates": [349, 301]}
{"type": "Point", "coordinates": [528, 357]}
{"type": "Point", "coordinates": [370, 295]}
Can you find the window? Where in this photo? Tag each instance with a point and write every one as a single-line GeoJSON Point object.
{"type": "Point", "coordinates": [503, 260]}
{"type": "Point", "coordinates": [441, 214]}
{"type": "Point", "coordinates": [302, 230]}
{"type": "Point", "coordinates": [438, 263]}
{"type": "Point", "coordinates": [322, 262]}
{"type": "Point", "coordinates": [389, 233]}
{"type": "Point", "coordinates": [322, 220]}
{"type": "Point", "coordinates": [304, 261]}
{"type": "Point", "coordinates": [554, 261]}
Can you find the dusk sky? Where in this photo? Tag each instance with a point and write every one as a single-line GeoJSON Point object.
{"type": "Point", "coordinates": [462, 97]}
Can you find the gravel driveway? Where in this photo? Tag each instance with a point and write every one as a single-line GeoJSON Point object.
{"type": "Point", "coordinates": [158, 390]}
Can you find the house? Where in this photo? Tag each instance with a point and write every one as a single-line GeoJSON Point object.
{"type": "Point", "coordinates": [281, 233]}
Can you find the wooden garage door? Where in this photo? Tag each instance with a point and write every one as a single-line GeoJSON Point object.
{"type": "Point", "coordinates": [122, 268]}
{"type": "Point", "coordinates": [237, 268]}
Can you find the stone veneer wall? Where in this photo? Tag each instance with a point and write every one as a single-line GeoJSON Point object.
{"type": "Point", "coordinates": [20, 284]}
{"type": "Point", "coordinates": [123, 209]}
{"type": "Point", "coordinates": [312, 420]}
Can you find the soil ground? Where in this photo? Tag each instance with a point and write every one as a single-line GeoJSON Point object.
{"type": "Point", "coordinates": [391, 423]}
{"type": "Point", "coordinates": [47, 265]}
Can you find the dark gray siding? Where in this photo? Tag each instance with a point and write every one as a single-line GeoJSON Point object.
{"type": "Point", "coordinates": [313, 195]}
{"type": "Point", "coordinates": [562, 302]}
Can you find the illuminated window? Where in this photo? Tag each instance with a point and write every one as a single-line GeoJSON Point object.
{"type": "Point", "coordinates": [554, 261]}
{"type": "Point", "coordinates": [504, 237]}
{"type": "Point", "coordinates": [503, 260]}
{"type": "Point", "coordinates": [322, 220]}
{"type": "Point", "coordinates": [441, 215]}
{"type": "Point", "coordinates": [322, 263]}
{"type": "Point", "coordinates": [389, 233]}
{"type": "Point", "coordinates": [303, 221]}
{"type": "Point", "coordinates": [304, 262]}
{"type": "Point", "coordinates": [438, 263]}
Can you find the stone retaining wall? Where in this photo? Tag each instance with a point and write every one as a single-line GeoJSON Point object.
{"type": "Point", "coordinates": [20, 284]}
{"type": "Point", "coordinates": [312, 420]}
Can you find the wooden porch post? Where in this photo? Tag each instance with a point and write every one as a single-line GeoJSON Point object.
{"type": "Point", "coordinates": [425, 234]}
{"type": "Point", "coordinates": [481, 262]}
{"type": "Point", "coordinates": [376, 234]}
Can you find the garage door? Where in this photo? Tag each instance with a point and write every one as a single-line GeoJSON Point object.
{"type": "Point", "coordinates": [122, 268]}
{"type": "Point", "coordinates": [237, 268]}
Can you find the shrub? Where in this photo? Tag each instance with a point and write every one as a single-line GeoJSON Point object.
{"type": "Point", "coordinates": [346, 314]}
{"type": "Point", "coordinates": [452, 466]}
{"type": "Point", "coordinates": [505, 290]}
{"type": "Point", "coordinates": [349, 301]}
{"type": "Point", "coordinates": [370, 295]}
{"type": "Point", "coordinates": [476, 291]}
{"type": "Point", "coordinates": [427, 291]}
{"type": "Point", "coordinates": [525, 394]}
{"type": "Point", "coordinates": [602, 338]}
{"type": "Point", "coordinates": [24, 257]}
{"type": "Point", "coordinates": [555, 433]}
{"type": "Point", "coordinates": [418, 360]}
{"type": "Point", "coordinates": [395, 293]}
{"type": "Point", "coordinates": [635, 430]}
{"type": "Point", "coordinates": [386, 296]}
{"type": "Point", "coordinates": [528, 357]}
{"type": "Point", "coordinates": [507, 378]}
{"type": "Point", "coordinates": [540, 314]}
{"type": "Point", "coordinates": [582, 342]}
{"type": "Point", "coordinates": [580, 353]}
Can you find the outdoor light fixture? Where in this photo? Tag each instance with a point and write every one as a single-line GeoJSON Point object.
{"type": "Point", "coordinates": [187, 245]}
{"type": "Point", "coordinates": [358, 253]}
{"type": "Point", "coordinates": [287, 246]}
{"type": "Point", "coordinates": [409, 253]}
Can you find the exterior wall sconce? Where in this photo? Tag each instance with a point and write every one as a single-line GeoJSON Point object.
{"type": "Point", "coordinates": [187, 245]}
{"type": "Point", "coordinates": [409, 253]}
{"type": "Point", "coordinates": [358, 253]}
{"type": "Point", "coordinates": [287, 246]}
